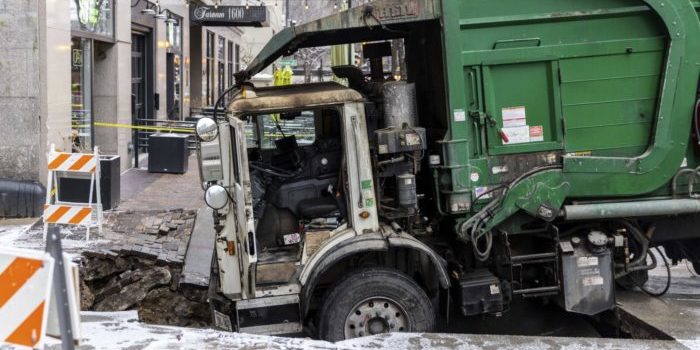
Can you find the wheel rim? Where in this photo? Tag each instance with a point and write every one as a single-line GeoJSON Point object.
{"type": "Point", "coordinates": [374, 316]}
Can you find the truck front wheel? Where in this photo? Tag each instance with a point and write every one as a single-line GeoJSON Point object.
{"type": "Point", "coordinates": [372, 301]}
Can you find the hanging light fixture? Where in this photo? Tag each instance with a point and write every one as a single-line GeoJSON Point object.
{"type": "Point", "coordinates": [148, 11]}
{"type": "Point", "coordinates": [161, 15]}
{"type": "Point", "coordinates": [171, 20]}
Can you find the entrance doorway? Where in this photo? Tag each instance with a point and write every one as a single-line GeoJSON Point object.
{"type": "Point", "coordinates": [139, 89]}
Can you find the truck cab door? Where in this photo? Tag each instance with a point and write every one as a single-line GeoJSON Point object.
{"type": "Point", "coordinates": [243, 207]}
{"type": "Point", "coordinates": [235, 245]}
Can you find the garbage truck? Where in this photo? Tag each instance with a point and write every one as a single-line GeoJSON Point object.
{"type": "Point", "coordinates": [534, 149]}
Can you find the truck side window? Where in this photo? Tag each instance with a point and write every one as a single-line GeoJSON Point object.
{"type": "Point", "coordinates": [275, 127]}
{"type": "Point", "coordinates": [251, 134]}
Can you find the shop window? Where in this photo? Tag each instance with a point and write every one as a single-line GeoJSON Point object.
{"type": "Point", "coordinates": [95, 17]}
{"type": "Point", "coordinates": [208, 77]}
{"type": "Point", "coordinates": [231, 70]}
{"type": "Point", "coordinates": [174, 68]}
{"type": "Point", "coordinates": [221, 66]}
{"type": "Point", "coordinates": [81, 95]}
{"type": "Point", "coordinates": [238, 58]}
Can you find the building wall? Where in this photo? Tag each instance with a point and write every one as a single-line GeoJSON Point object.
{"type": "Point", "coordinates": [112, 88]}
{"type": "Point", "coordinates": [20, 93]}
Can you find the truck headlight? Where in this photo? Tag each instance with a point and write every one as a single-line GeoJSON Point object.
{"type": "Point", "coordinates": [207, 129]}
{"type": "Point", "coordinates": [216, 197]}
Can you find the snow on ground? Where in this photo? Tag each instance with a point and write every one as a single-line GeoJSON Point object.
{"type": "Point", "coordinates": [121, 330]}
{"type": "Point", "coordinates": [12, 231]}
{"type": "Point", "coordinates": [28, 234]}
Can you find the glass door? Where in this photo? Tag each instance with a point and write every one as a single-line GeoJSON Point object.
{"type": "Point", "coordinates": [138, 88]}
{"type": "Point", "coordinates": [81, 95]}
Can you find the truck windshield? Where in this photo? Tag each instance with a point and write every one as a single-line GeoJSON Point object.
{"type": "Point", "coordinates": [273, 127]}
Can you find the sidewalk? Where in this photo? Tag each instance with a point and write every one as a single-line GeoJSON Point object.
{"type": "Point", "coordinates": [141, 190]}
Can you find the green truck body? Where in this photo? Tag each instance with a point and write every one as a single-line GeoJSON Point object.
{"type": "Point", "coordinates": [561, 145]}
{"type": "Point", "coordinates": [606, 89]}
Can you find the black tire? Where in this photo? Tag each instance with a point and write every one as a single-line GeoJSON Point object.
{"type": "Point", "coordinates": [696, 266]}
{"type": "Point", "coordinates": [391, 290]}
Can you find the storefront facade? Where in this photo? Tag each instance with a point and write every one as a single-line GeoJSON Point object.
{"type": "Point", "coordinates": [90, 70]}
{"type": "Point", "coordinates": [92, 24]}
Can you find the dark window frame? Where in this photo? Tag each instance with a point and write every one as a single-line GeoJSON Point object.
{"type": "Point", "coordinates": [210, 68]}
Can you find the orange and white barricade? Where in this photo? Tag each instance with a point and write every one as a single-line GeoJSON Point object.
{"type": "Point", "coordinates": [83, 214]}
{"type": "Point", "coordinates": [25, 295]}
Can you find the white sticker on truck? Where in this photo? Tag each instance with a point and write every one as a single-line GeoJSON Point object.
{"type": "Point", "coordinates": [586, 261]}
{"type": "Point", "coordinates": [592, 281]}
{"type": "Point", "coordinates": [514, 117]}
{"type": "Point", "coordinates": [460, 115]}
{"type": "Point", "coordinates": [515, 135]}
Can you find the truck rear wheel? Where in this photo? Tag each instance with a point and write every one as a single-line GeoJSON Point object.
{"type": "Point", "coordinates": [372, 301]}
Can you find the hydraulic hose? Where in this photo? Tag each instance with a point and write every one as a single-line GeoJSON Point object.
{"type": "Point", "coordinates": [668, 277]}
{"type": "Point", "coordinates": [480, 219]}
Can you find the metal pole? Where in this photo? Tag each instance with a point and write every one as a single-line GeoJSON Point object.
{"type": "Point", "coordinates": [286, 15]}
{"type": "Point", "coordinates": [60, 289]}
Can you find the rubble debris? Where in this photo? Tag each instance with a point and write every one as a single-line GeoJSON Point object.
{"type": "Point", "coordinates": [139, 269]}
{"type": "Point", "coordinates": [133, 293]}
{"type": "Point", "coordinates": [164, 306]}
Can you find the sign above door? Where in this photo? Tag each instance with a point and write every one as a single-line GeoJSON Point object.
{"type": "Point", "coordinates": [229, 16]}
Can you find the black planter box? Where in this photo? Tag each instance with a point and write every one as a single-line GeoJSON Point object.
{"type": "Point", "coordinates": [76, 189]}
{"type": "Point", "coordinates": [167, 153]}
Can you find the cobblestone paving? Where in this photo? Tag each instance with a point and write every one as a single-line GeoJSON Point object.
{"type": "Point", "coordinates": [157, 235]}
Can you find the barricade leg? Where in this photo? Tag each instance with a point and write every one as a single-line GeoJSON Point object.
{"type": "Point", "coordinates": [60, 289]}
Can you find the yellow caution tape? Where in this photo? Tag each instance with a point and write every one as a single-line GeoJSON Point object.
{"type": "Point", "coordinates": [139, 127]}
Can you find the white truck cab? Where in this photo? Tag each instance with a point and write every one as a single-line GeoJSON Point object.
{"type": "Point", "coordinates": [288, 172]}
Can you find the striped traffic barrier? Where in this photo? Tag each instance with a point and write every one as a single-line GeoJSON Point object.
{"type": "Point", "coordinates": [67, 214]}
{"type": "Point", "coordinates": [25, 287]}
{"type": "Point", "coordinates": [75, 162]}
{"type": "Point", "coordinates": [83, 214]}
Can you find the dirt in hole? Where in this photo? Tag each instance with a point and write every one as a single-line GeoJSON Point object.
{"type": "Point", "coordinates": [116, 282]}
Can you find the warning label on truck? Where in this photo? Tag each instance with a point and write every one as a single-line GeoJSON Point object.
{"type": "Point", "coordinates": [536, 133]}
{"type": "Point", "coordinates": [514, 117]}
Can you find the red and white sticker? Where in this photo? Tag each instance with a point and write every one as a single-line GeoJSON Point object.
{"type": "Point", "coordinates": [536, 133]}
